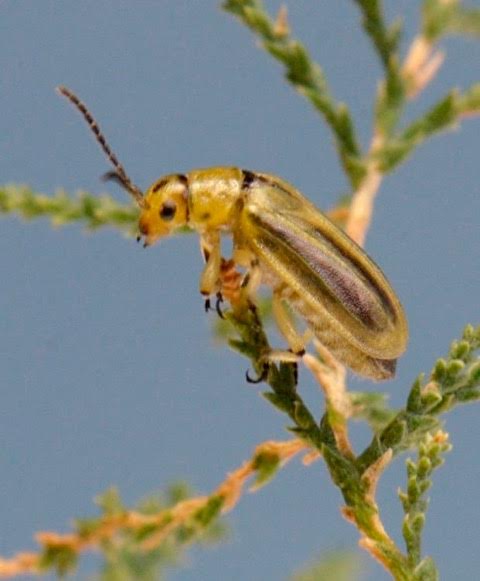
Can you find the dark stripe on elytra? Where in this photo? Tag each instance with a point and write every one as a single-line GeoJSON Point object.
{"type": "Point", "coordinates": [248, 178]}
{"type": "Point", "coordinates": [349, 256]}
{"type": "Point", "coordinates": [342, 291]}
{"type": "Point", "coordinates": [387, 366]}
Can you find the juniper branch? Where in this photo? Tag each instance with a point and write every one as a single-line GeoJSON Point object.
{"type": "Point", "coordinates": [384, 39]}
{"type": "Point", "coordinates": [153, 530]}
{"type": "Point", "coordinates": [307, 77]}
{"type": "Point", "coordinates": [453, 380]}
{"type": "Point", "coordinates": [443, 115]}
{"type": "Point", "coordinates": [415, 502]}
{"type": "Point", "coordinates": [94, 211]}
{"type": "Point", "coordinates": [466, 22]}
{"type": "Point", "coordinates": [440, 18]}
{"type": "Point", "coordinates": [282, 378]}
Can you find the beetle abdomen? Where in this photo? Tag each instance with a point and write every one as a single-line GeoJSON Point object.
{"type": "Point", "coordinates": [346, 353]}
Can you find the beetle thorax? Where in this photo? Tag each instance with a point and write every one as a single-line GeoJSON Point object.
{"type": "Point", "coordinates": [214, 195]}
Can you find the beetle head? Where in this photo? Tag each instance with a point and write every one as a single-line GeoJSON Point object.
{"type": "Point", "coordinates": [165, 209]}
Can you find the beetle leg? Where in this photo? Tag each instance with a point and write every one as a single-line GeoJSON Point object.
{"type": "Point", "coordinates": [209, 280]}
{"type": "Point", "coordinates": [252, 281]}
{"type": "Point", "coordinates": [283, 356]}
{"type": "Point", "coordinates": [286, 325]}
{"type": "Point", "coordinates": [230, 283]}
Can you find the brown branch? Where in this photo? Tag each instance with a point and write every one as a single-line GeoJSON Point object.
{"type": "Point", "coordinates": [361, 207]}
{"type": "Point", "coordinates": [331, 378]}
{"type": "Point", "coordinates": [168, 520]}
{"type": "Point", "coordinates": [419, 68]}
{"type": "Point", "coordinates": [421, 65]}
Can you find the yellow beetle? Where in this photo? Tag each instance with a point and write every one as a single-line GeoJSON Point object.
{"type": "Point", "coordinates": [284, 241]}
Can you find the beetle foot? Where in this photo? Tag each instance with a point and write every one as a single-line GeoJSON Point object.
{"type": "Point", "coordinates": [262, 376]}
{"type": "Point", "coordinates": [218, 308]}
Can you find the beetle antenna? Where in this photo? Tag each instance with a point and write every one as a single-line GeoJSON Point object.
{"type": "Point", "coordinates": [119, 174]}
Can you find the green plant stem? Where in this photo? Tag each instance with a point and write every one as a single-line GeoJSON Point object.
{"type": "Point", "coordinates": [414, 500]}
{"type": "Point", "coordinates": [440, 18]}
{"type": "Point", "coordinates": [284, 396]}
{"type": "Point", "coordinates": [453, 380]}
{"type": "Point", "coordinates": [443, 115]}
{"type": "Point", "coordinates": [384, 40]}
{"type": "Point", "coordinates": [282, 378]}
{"type": "Point", "coordinates": [94, 211]}
{"type": "Point", "coordinates": [307, 77]}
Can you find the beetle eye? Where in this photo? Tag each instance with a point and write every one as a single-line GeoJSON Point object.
{"type": "Point", "coordinates": [167, 211]}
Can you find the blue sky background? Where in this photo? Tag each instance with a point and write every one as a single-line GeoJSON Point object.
{"type": "Point", "coordinates": [108, 370]}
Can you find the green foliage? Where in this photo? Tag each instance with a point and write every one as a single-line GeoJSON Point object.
{"type": "Point", "coordinates": [307, 77]}
{"type": "Point", "coordinates": [443, 115]}
{"type": "Point", "coordinates": [124, 557]}
{"type": "Point", "coordinates": [392, 91]}
{"type": "Point", "coordinates": [372, 407]}
{"type": "Point", "coordinates": [94, 211]}
{"type": "Point", "coordinates": [222, 328]}
{"type": "Point", "coordinates": [415, 503]}
{"type": "Point", "coordinates": [440, 18]}
{"type": "Point", "coordinates": [385, 40]}
{"type": "Point", "coordinates": [453, 380]}
{"type": "Point", "coordinates": [390, 102]}
{"type": "Point", "coordinates": [62, 560]}
{"type": "Point", "coordinates": [282, 378]}
{"type": "Point", "coordinates": [110, 502]}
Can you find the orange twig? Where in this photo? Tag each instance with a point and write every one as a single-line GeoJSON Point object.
{"type": "Point", "coordinates": [168, 520]}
